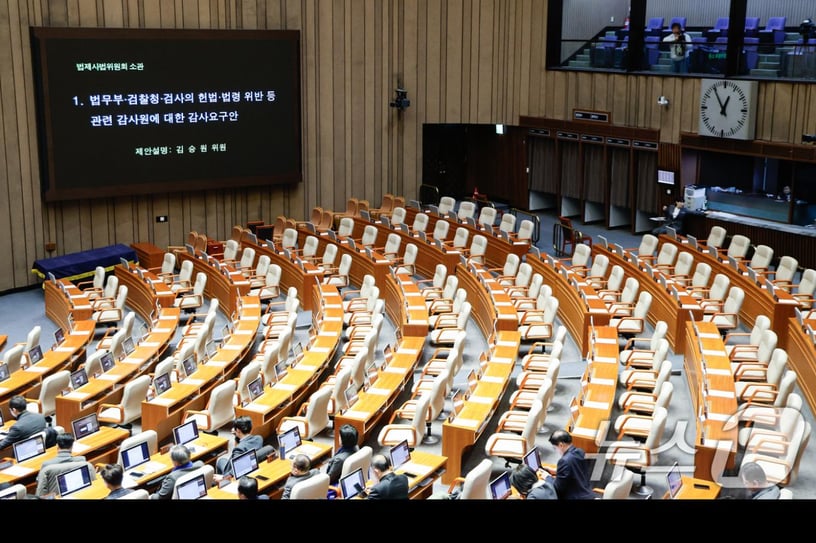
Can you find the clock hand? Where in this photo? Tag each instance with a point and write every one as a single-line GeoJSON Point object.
{"type": "Point", "coordinates": [725, 105]}
{"type": "Point", "coordinates": [718, 100]}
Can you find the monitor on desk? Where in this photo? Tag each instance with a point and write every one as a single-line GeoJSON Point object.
{"type": "Point", "coordinates": [289, 441]}
{"type": "Point", "coordinates": [35, 354]}
{"type": "Point", "coordinates": [400, 454]}
{"type": "Point", "coordinates": [280, 370]}
{"type": "Point", "coordinates": [79, 378]}
{"type": "Point", "coordinates": [74, 480]}
{"type": "Point", "coordinates": [352, 484]}
{"type": "Point", "coordinates": [190, 249]}
{"type": "Point", "coordinates": [193, 489]}
{"type": "Point", "coordinates": [4, 372]}
{"type": "Point", "coordinates": [59, 337]}
{"type": "Point", "coordinates": [244, 464]}
{"type": "Point", "coordinates": [124, 262]}
{"type": "Point", "coordinates": [161, 383]}
{"type": "Point", "coordinates": [533, 459]}
{"type": "Point", "coordinates": [255, 388]}
{"type": "Point", "coordinates": [189, 366]}
{"type": "Point", "coordinates": [351, 395]}
{"type": "Point", "coordinates": [457, 402]}
{"type": "Point", "coordinates": [692, 241]}
{"type": "Point", "coordinates": [135, 456]}
{"type": "Point", "coordinates": [29, 448]}
{"type": "Point", "coordinates": [51, 277]}
{"type": "Point", "coordinates": [604, 242]}
{"type": "Point", "coordinates": [185, 433]}
{"type": "Point", "coordinates": [127, 347]}
{"type": "Point", "coordinates": [85, 426]}
{"type": "Point", "coordinates": [674, 481]}
{"type": "Point", "coordinates": [500, 486]}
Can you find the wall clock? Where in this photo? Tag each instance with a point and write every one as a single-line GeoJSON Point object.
{"type": "Point", "coordinates": [728, 108]}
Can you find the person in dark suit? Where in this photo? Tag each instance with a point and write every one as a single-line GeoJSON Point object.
{"type": "Point", "coordinates": [182, 464]}
{"type": "Point", "coordinates": [530, 486]}
{"type": "Point", "coordinates": [113, 474]}
{"type": "Point", "coordinates": [674, 216]}
{"type": "Point", "coordinates": [571, 472]}
{"type": "Point", "coordinates": [65, 444]}
{"type": "Point", "coordinates": [245, 441]}
{"type": "Point", "coordinates": [348, 446]}
{"type": "Point", "coordinates": [390, 485]}
{"type": "Point", "coordinates": [27, 424]}
{"type": "Point", "coordinates": [757, 486]}
{"type": "Point", "coordinates": [301, 470]}
{"type": "Point", "coordinates": [248, 489]}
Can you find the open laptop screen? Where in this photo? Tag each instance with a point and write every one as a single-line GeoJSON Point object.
{"type": "Point", "coordinates": [135, 456]}
{"type": "Point", "coordinates": [255, 388]}
{"type": "Point", "coordinates": [161, 383]}
{"type": "Point", "coordinates": [351, 395]}
{"type": "Point", "coordinates": [185, 433]}
{"type": "Point", "coordinates": [59, 336]}
{"type": "Point", "coordinates": [289, 440]}
{"type": "Point", "coordinates": [189, 366]}
{"type": "Point", "coordinates": [533, 459]}
{"type": "Point", "coordinates": [29, 448]}
{"type": "Point", "coordinates": [244, 464]}
{"type": "Point", "coordinates": [500, 486]}
{"type": "Point", "coordinates": [127, 346]}
{"type": "Point", "coordinates": [107, 361]}
{"type": "Point", "coordinates": [79, 378]}
{"type": "Point", "coordinates": [400, 454]}
{"type": "Point", "coordinates": [352, 484]}
{"type": "Point", "coordinates": [674, 481]}
{"type": "Point", "coordinates": [85, 426]}
{"type": "Point", "coordinates": [193, 489]}
{"type": "Point", "coordinates": [4, 371]}
{"type": "Point", "coordinates": [76, 479]}
{"type": "Point", "coordinates": [35, 354]}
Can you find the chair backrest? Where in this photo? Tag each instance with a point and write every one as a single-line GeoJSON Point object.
{"type": "Point", "coordinates": [135, 392]}
{"type": "Point", "coordinates": [317, 411]}
{"type": "Point", "coordinates": [392, 244]}
{"type": "Point", "coordinates": [620, 488]}
{"type": "Point", "coordinates": [439, 276]}
{"type": "Point", "coordinates": [186, 271]}
{"type": "Point", "coordinates": [398, 216]}
{"type": "Point", "coordinates": [477, 482]}
{"type": "Point", "coordinates": [263, 265]}
{"type": "Point", "coordinates": [661, 328]}
{"type": "Point", "coordinates": [441, 229]}
{"type": "Point", "coordinates": [630, 290]}
{"type": "Point", "coordinates": [525, 232]}
{"type": "Point", "coordinates": [702, 274]}
{"type": "Point", "coordinates": [446, 205]}
{"type": "Point", "coordinates": [684, 263]}
{"type": "Point", "coordinates": [581, 255]}
{"type": "Point", "coordinates": [460, 238]}
{"type": "Point", "coordinates": [507, 223]}
{"type": "Point", "coordinates": [360, 459]}
{"type": "Point", "coordinates": [329, 255]}
{"type": "Point", "coordinates": [206, 470]}
{"type": "Point", "coordinates": [98, 278]}
{"type": "Point", "coordinates": [467, 210]}
{"type": "Point", "coordinates": [52, 386]}
{"type": "Point", "coordinates": [643, 304]}
{"type": "Point", "coordinates": [734, 301]}
{"type": "Point", "coordinates": [18, 490]}
{"type": "Point", "coordinates": [315, 487]}
{"type": "Point", "coordinates": [667, 254]}
{"type": "Point", "coordinates": [289, 240]}
{"type": "Point", "coordinates": [346, 227]}
{"type": "Point", "coordinates": [410, 255]}
{"type": "Point", "coordinates": [220, 406]}
{"type": "Point", "coordinates": [615, 279]}
{"type": "Point", "coordinates": [532, 424]}
{"type": "Point", "coordinates": [786, 269]}
{"type": "Point", "coordinates": [478, 246]}
{"type": "Point", "coordinates": [345, 264]}
{"type": "Point", "coordinates": [464, 315]}
{"type": "Point", "coordinates": [511, 264]}
{"type": "Point", "coordinates": [13, 357]}
{"type": "Point", "coordinates": [111, 286]}
{"type": "Point", "coordinates": [738, 247]}
{"type": "Point", "coordinates": [451, 284]}
{"type": "Point", "coordinates": [655, 23]}
{"type": "Point", "coordinates": [341, 383]}
{"type": "Point", "coordinates": [648, 245]}
{"type": "Point", "coordinates": [137, 494]}
{"type": "Point", "coordinates": [145, 436]}
{"type": "Point", "coordinates": [763, 254]}
{"type": "Point", "coordinates": [776, 23]}
{"type": "Point", "coordinates": [716, 237]}
{"type": "Point", "coordinates": [655, 435]}
{"type": "Point", "coordinates": [420, 222]}
{"type": "Point", "coordinates": [369, 235]}
{"type": "Point", "coordinates": [231, 249]}
{"type": "Point", "coordinates": [93, 363]}
{"type": "Point", "coordinates": [807, 283]}
{"type": "Point", "coordinates": [599, 265]}
{"type": "Point", "coordinates": [33, 338]}
{"type": "Point", "coordinates": [719, 288]}
{"type": "Point", "coordinates": [535, 284]}
{"type": "Point", "coordinates": [487, 217]}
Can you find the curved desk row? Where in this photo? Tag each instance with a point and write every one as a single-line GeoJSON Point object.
{"type": "Point", "coordinates": [492, 306]}
{"type": "Point", "coordinates": [226, 284]}
{"type": "Point", "coordinates": [284, 397]}
{"type": "Point", "coordinates": [164, 412]}
{"type": "Point", "coordinates": [65, 302]}
{"type": "Point", "coordinates": [108, 386]}
{"type": "Point", "coordinates": [146, 291]}
{"type": "Point", "coordinates": [802, 358]}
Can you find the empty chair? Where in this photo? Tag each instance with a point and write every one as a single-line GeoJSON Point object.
{"type": "Point", "coordinates": [289, 240]}
{"type": "Point", "coordinates": [525, 231]}
{"type": "Point", "coordinates": [94, 287]}
{"type": "Point", "coordinates": [220, 409]}
{"type": "Point", "coordinates": [369, 237]}
{"type": "Point", "coordinates": [712, 298]}
{"type": "Point", "coordinates": [666, 257]}
{"type": "Point", "coordinates": [761, 259]}
{"type": "Point", "coordinates": [258, 276]}
{"type": "Point", "coordinates": [647, 248]}
{"type": "Point", "coordinates": [634, 323]}
{"type": "Point", "coordinates": [487, 218]}
{"type": "Point", "coordinates": [129, 408]}
{"type": "Point", "coordinates": [596, 276]}
{"type": "Point", "coordinates": [397, 218]}
{"type": "Point", "coordinates": [340, 278]}
{"type": "Point", "coordinates": [420, 223]}
{"type": "Point", "coordinates": [759, 383]}
{"type": "Point", "coordinates": [440, 231]}
{"type": "Point", "coordinates": [682, 270]}
{"type": "Point", "coordinates": [436, 402]}
{"type": "Point", "coordinates": [716, 237]}
{"type": "Point", "coordinates": [476, 484]}
{"type": "Point", "coordinates": [643, 374]}
{"type": "Point", "coordinates": [803, 292]}
{"type": "Point", "coordinates": [443, 313]}
{"type": "Point", "coordinates": [759, 352]}
{"type": "Point", "coordinates": [624, 304]}
{"type": "Point", "coordinates": [345, 228]}
{"type": "Point", "coordinates": [537, 325]}
{"type": "Point", "coordinates": [107, 298]}
{"type": "Point", "coordinates": [432, 288]}
{"type": "Point", "coordinates": [636, 423]}
{"type": "Point", "coordinates": [13, 357]}
{"type": "Point", "coordinates": [447, 334]}
{"type": "Point", "coordinates": [467, 210]}
{"type": "Point", "coordinates": [51, 387]}
{"type": "Point", "coordinates": [190, 301]}
{"type": "Point", "coordinates": [644, 395]}
{"type": "Point", "coordinates": [112, 314]}
{"type": "Point", "coordinates": [513, 446]}
{"type": "Point", "coordinates": [309, 251]}
{"type": "Point", "coordinates": [407, 264]}
{"type": "Point", "coordinates": [774, 30]}
{"type": "Point", "coordinates": [459, 241]}
{"type": "Point", "coordinates": [506, 275]}
{"type": "Point", "coordinates": [250, 372]}
{"type": "Point", "coordinates": [270, 289]}
{"type": "Point", "coordinates": [618, 489]}
{"type": "Point", "coordinates": [782, 276]}
{"type": "Point", "coordinates": [738, 247]}
{"type": "Point", "coordinates": [638, 455]}
{"type": "Point", "coordinates": [183, 282]}
{"type": "Point", "coordinates": [445, 297]}
{"type": "Point", "coordinates": [643, 348]}
{"type": "Point", "coordinates": [611, 289]}
{"type": "Point", "coordinates": [386, 206]}
{"type": "Point", "coordinates": [313, 416]}
{"type": "Point", "coordinates": [728, 317]}
{"type": "Point", "coordinates": [579, 262]}
{"type": "Point", "coordinates": [478, 248]}
{"type": "Point", "coordinates": [782, 469]}
{"type": "Point", "coordinates": [230, 254]}
{"type": "Point", "coordinates": [520, 285]}
{"type": "Point", "coordinates": [394, 433]}
{"type": "Point", "coordinates": [392, 246]}
{"type": "Point", "coordinates": [326, 263]}
{"type": "Point", "coordinates": [446, 205]}
{"type": "Point", "coordinates": [507, 225]}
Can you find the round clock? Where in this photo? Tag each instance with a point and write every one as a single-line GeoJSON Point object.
{"type": "Point", "coordinates": [727, 108]}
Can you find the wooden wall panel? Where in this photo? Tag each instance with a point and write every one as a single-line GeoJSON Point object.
{"type": "Point", "coordinates": [462, 61]}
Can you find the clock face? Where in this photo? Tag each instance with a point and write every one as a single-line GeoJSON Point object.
{"type": "Point", "coordinates": [726, 109]}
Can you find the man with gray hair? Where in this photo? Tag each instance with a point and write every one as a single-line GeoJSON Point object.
{"type": "Point", "coordinates": [182, 464]}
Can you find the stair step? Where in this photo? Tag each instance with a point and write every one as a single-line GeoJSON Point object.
{"type": "Point", "coordinates": [768, 65]}
{"type": "Point", "coordinates": [661, 67]}
{"type": "Point", "coordinates": [579, 63]}
{"type": "Point", "coordinates": [764, 73]}
{"type": "Point", "coordinates": [583, 57]}
{"type": "Point", "coordinates": [775, 58]}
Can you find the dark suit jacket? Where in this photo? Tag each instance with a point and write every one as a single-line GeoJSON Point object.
{"type": "Point", "coordinates": [251, 442]}
{"type": "Point", "coordinates": [392, 486]}
{"type": "Point", "coordinates": [675, 222]}
{"type": "Point", "coordinates": [572, 476]}
{"type": "Point", "coordinates": [165, 491]}
{"type": "Point", "coordinates": [118, 493]}
{"type": "Point", "coordinates": [26, 426]}
{"type": "Point", "coordinates": [335, 465]}
{"type": "Point", "coordinates": [292, 480]}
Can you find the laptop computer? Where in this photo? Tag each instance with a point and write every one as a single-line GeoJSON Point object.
{"type": "Point", "coordinates": [161, 383]}
{"type": "Point", "coordinates": [4, 371]}
{"type": "Point", "coordinates": [244, 464]}
{"type": "Point", "coordinates": [35, 354]}
{"type": "Point", "coordinates": [193, 489]}
{"type": "Point", "coordinates": [255, 388]}
{"type": "Point", "coordinates": [85, 426]}
{"type": "Point", "coordinates": [29, 448]}
{"type": "Point", "coordinates": [74, 480]}
{"type": "Point", "coordinates": [59, 337]}
{"type": "Point", "coordinates": [288, 441]}
{"type": "Point", "coordinates": [185, 434]}
{"type": "Point", "coordinates": [674, 481]}
{"type": "Point", "coordinates": [136, 461]}
{"type": "Point", "coordinates": [533, 459]}
{"type": "Point", "coordinates": [400, 455]}
{"type": "Point", "coordinates": [79, 378]}
{"type": "Point", "coordinates": [500, 486]}
{"type": "Point", "coordinates": [352, 484]}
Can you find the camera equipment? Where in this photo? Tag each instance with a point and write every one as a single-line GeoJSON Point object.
{"type": "Point", "coordinates": [401, 102]}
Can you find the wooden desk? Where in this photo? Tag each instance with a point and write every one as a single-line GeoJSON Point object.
{"type": "Point", "coordinates": [291, 274]}
{"type": "Point", "coordinates": [64, 301]}
{"type": "Point", "coordinates": [148, 255]}
{"type": "Point", "coordinates": [757, 301]}
{"type": "Point", "coordinates": [490, 302]}
{"type": "Point", "coordinates": [165, 412]}
{"type": "Point", "coordinates": [578, 305]}
{"type": "Point", "coordinates": [227, 288]}
{"type": "Point", "coordinates": [665, 307]}
{"type": "Point", "coordinates": [405, 305]}
{"type": "Point", "coordinates": [144, 294]}
{"type": "Point", "coordinates": [377, 402]}
{"type": "Point", "coordinates": [497, 248]}
{"type": "Point", "coordinates": [696, 489]}
{"type": "Point", "coordinates": [378, 266]}
{"type": "Point", "coordinates": [109, 386]}
{"type": "Point", "coordinates": [591, 409]}
{"type": "Point", "coordinates": [433, 466]}
{"type": "Point", "coordinates": [285, 397]}
{"type": "Point", "coordinates": [802, 359]}
{"type": "Point", "coordinates": [27, 381]}
{"type": "Point", "coordinates": [714, 401]}
{"type": "Point", "coordinates": [460, 434]}
{"type": "Point", "coordinates": [101, 446]}
{"type": "Point", "coordinates": [208, 448]}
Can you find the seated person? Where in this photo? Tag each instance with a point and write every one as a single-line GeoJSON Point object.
{"type": "Point", "coordinates": [388, 485]}
{"type": "Point", "coordinates": [757, 486]}
{"type": "Point", "coordinates": [301, 470]}
{"type": "Point", "coordinates": [27, 424]}
{"type": "Point", "coordinates": [529, 486]}
{"type": "Point", "coordinates": [348, 446]}
{"type": "Point", "coordinates": [113, 474]}
{"type": "Point", "coordinates": [248, 489]}
{"type": "Point", "coordinates": [182, 464]}
{"type": "Point", "coordinates": [245, 441]}
{"type": "Point", "coordinates": [674, 216]}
